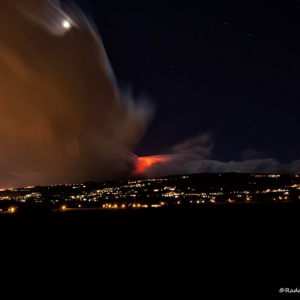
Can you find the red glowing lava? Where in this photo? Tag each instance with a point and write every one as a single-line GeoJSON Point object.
{"type": "Point", "coordinates": [144, 163]}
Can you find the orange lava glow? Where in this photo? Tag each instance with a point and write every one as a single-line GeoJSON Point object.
{"type": "Point", "coordinates": [144, 163]}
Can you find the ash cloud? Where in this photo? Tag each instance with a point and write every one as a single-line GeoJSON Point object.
{"type": "Point", "coordinates": [194, 156]}
{"type": "Point", "coordinates": [62, 117]}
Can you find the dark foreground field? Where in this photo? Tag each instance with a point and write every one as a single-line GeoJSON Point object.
{"type": "Point", "coordinates": [226, 249]}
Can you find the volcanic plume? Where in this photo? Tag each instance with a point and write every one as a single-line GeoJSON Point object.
{"type": "Point", "coordinates": [62, 117]}
{"type": "Point", "coordinates": [143, 164]}
{"type": "Point", "coordinates": [194, 156]}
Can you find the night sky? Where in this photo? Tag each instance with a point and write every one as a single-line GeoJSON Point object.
{"type": "Point", "coordinates": [229, 68]}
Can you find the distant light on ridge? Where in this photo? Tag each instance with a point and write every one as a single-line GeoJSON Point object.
{"type": "Point", "coordinates": [66, 24]}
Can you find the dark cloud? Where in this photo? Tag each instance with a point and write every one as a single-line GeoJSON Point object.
{"type": "Point", "coordinates": [62, 117]}
{"type": "Point", "coordinates": [251, 153]}
{"type": "Point", "coordinates": [199, 146]}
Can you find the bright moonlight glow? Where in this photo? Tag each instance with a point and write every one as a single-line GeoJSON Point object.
{"type": "Point", "coordinates": [66, 24]}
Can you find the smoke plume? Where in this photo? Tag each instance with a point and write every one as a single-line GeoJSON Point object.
{"type": "Point", "coordinates": [194, 156]}
{"type": "Point", "coordinates": [62, 117]}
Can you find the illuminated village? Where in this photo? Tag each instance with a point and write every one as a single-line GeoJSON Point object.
{"type": "Point", "coordinates": [184, 190]}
